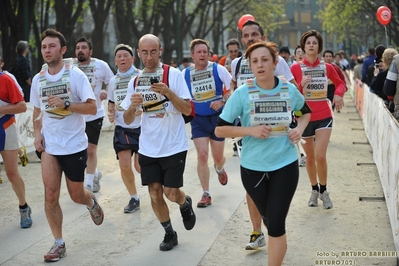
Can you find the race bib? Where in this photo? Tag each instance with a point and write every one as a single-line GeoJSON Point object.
{"type": "Point", "coordinates": [244, 73]}
{"type": "Point", "coordinates": [317, 88]}
{"type": "Point", "coordinates": [60, 88]}
{"type": "Point", "coordinates": [272, 110]}
{"type": "Point", "coordinates": [143, 86]}
{"type": "Point", "coordinates": [89, 70]}
{"type": "Point", "coordinates": [203, 86]}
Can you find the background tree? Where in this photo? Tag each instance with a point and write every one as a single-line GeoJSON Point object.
{"type": "Point", "coordinates": [100, 11]}
{"type": "Point", "coordinates": [15, 21]}
{"type": "Point", "coordinates": [42, 22]}
{"type": "Point", "coordinates": [67, 14]}
{"type": "Point", "coordinates": [356, 20]}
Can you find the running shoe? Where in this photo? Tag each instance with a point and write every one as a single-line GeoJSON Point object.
{"type": "Point", "coordinates": [96, 182]}
{"type": "Point", "coordinates": [205, 201]}
{"type": "Point", "coordinates": [133, 206]}
{"type": "Point", "coordinates": [188, 214]}
{"type": "Point", "coordinates": [55, 253]}
{"type": "Point", "coordinates": [169, 241]}
{"type": "Point", "coordinates": [327, 203]}
{"type": "Point", "coordinates": [222, 176]}
{"type": "Point", "coordinates": [256, 241]}
{"type": "Point", "coordinates": [302, 160]}
{"type": "Point", "coordinates": [313, 199]}
{"type": "Point", "coordinates": [26, 220]}
{"type": "Point", "coordinates": [24, 157]}
{"type": "Point", "coordinates": [96, 213]}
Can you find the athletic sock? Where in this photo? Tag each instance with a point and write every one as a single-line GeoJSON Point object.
{"type": "Point", "coordinates": [184, 205]}
{"type": "Point", "coordinates": [323, 188]}
{"type": "Point", "coordinates": [315, 187]}
{"type": "Point", "coordinates": [59, 241]}
{"type": "Point", "coordinates": [89, 180]}
{"type": "Point", "coordinates": [135, 196]}
{"type": "Point", "coordinates": [167, 226]}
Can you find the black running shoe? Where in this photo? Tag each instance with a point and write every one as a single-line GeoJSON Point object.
{"type": "Point", "coordinates": [188, 215]}
{"type": "Point", "coordinates": [169, 241]}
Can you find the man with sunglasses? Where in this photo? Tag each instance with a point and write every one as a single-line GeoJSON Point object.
{"type": "Point", "coordinates": [233, 49]}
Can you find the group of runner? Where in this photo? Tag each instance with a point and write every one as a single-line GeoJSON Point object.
{"type": "Point", "coordinates": [147, 106]}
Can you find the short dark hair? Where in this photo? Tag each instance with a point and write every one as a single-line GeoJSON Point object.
{"type": "Point", "coordinates": [250, 23]}
{"type": "Point", "coordinates": [54, 34]}
{"type": "Point", "coordinates": [83, 39]}
{"type": "Point", "coordinates": [232, 41]}
{"type": "Point", "coordinates": [284, 49]}
{"type": "Point", "coordinates": [308, 34]}
{"type": "Point", "coordinates": [329, 52]}
{"type": "Point", "coordinates": [185, 60]}
{"type": "Point", "coordinates": [371, 50]}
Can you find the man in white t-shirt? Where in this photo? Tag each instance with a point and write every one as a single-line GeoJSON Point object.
{"type": "Point", "coordinates": [98, 74]}
{"type": "Point", "coordinates": [163, 142]}
{"type": "Point", "coordinates": [252, 32]}
{"type": "Point", "coordinates": [61, 95]}
{"type": "Point", "coordinates": [126, 137]}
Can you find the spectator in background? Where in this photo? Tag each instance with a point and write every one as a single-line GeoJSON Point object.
{"type": "Point", "coordinates": [379, 50]}
{"type": "Point", "coordinates": [352, 61]}
{"type": "Point", "coordinates": [185, 63]}
{"type": "Point", "coordinates": [343, 61]}
{"type": "Point", "coordinates": [380, 74]}
{"type": "Point", "coordinates": [233, 49]}
{"type": "Point", "coordinates": [357, 70]}
{"type": "Point", "coordinates": [391, 86]}
{"type": "Point", "coordinates": [328, 57]}
{"type": "Point", "coordinates": [286, 54]}
{"type": "Point", "coordinates": [368, 62]}
{"type": "Point", "coordinates": [173, 63]}
{"type": "Point", "coordinates": [21, 70]}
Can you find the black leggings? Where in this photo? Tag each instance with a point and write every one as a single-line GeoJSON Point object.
{"type": "Point", "coordinates": [272, 193]}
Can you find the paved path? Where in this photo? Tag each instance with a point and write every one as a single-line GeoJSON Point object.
{"type": "Point", "coordinates": [222, 230]}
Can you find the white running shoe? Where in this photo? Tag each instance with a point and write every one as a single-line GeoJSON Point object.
{"type": "Point", "coordinates": [327, 203]}
{"type": "Point", "coordinates": [313, 199]}
{"type": "Point", "coordinates": [256, 241]}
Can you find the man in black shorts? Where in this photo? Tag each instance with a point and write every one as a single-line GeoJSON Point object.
{"type": "Point", "coordinates": [98, 73]}
{"type": "Point", "coordinates": [163, 139]}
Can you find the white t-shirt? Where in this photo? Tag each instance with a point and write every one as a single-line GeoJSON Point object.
{"type": "Point", "coordinates": [64, 136]}
{"type": "Point", "coordinates": [103, 74]}
{"type": "Point", "coordinates": [111, 96]}
{"type": "Point", "coordinates": [162, 137]}
{"type": "Point", "coordinates": [282, 69]}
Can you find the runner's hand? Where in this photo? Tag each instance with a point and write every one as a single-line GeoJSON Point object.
{"type": "Point", "coordinates": [261, 132]}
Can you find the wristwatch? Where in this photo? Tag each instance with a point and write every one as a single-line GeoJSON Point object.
{"type": "Point", "coordinates": [223, 100]}
{"type": "Point", "coordinates": [67, 104]}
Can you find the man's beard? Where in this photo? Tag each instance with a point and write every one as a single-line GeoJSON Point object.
{"type": "Point", "coordinates": [81, 58]}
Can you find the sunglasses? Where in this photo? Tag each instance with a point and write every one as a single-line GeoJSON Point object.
{"type": "Point", "coordinates": [233, 51]}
